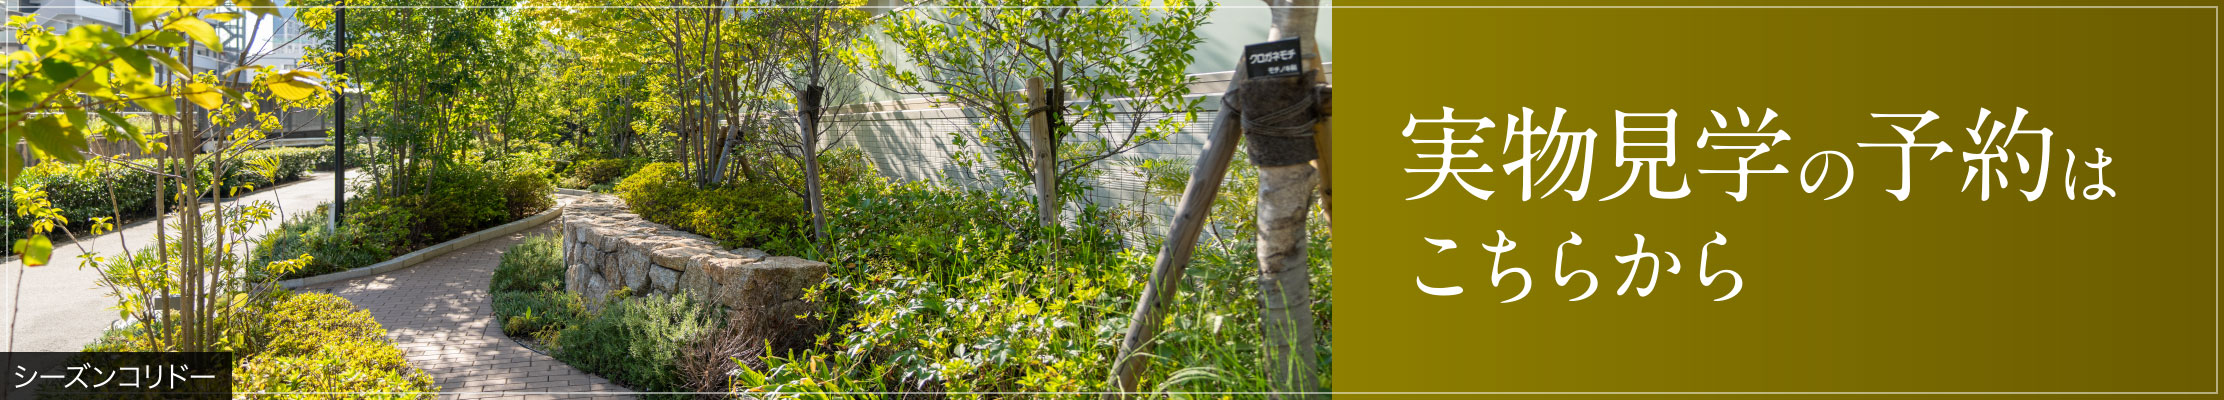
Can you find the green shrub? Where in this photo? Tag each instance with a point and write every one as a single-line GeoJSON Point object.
{"type": "Point", "coordinates": [584, 174]}
{"type": "Point", "coordinates": [467, 197]}
{"type": "Point", "coordinates": [736, 215]}
{"type": "Point", "coordinates": [292, 163]}
{"type": "Point", "coordinates": [245, 171]}
{"type": "Point", "coordinates": [353, 246]}
{"type": "Point", "coordinates": [659, 192]}
{"type": "Point", "coordinates": [527, 314]}
{"type": "Point", "coordinates": [636, 341]}
{"type": "Point", "coordinates": [308, 342]}
{"type": "Point", "coordinates": [937, 288]}
{"type": "Point", "coordinates": [321, 343]}
{"type": "Point", "coordinates": [458, 200]}
{"type": "Point", "coordinates": [535, 264]}
{"type": "Point", "coordinates": [83, 191]}
{"type": "Point", "coordinates": [906, 256]}
{"type": "Point", "coordinates": [525, 189]}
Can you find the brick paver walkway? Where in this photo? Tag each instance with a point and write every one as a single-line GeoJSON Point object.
{"type": "Point", "coordinates": [439, 312]}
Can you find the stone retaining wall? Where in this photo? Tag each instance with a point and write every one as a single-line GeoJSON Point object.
{"type": "Point", "coordinates": [608, 247]}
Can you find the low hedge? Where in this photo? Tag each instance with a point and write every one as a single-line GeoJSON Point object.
{"type": "Point", "coordinates": [349, 247]}
{"type": "Point", "coordinates": [321, 343]}
{"type": "Point", "coordinates": [528, 287]}
{"type": "Point", "coordinates": [584, 174]}
{"type": "Point", "coordinates": [309, 342]}
{"type": "Point", "coordinates": [460, 199]}
{"type": "Point", "coordinates": [737, 215]}
{"type": "Point", "coordinates": [639, 341]}
{"type": "Point", "coordinates": [82, 191]}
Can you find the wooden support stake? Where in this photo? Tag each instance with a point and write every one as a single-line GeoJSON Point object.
{"type": "Point", "coordinates": [1046, 151]}
{"type": "Point", "coordinates": [1181, 242]}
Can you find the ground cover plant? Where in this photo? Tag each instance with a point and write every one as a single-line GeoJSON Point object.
{"type": "Point", "coordinates": [935, 288]}
{"type": "Point", "coordinates": [638, 341]}
{"type": "Point", "coordinates": [309, 342]}
{"type": "Point", "coordinates": [468, 198]}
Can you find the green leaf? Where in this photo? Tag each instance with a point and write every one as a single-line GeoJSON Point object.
{"type": "Point", "coordinates": [164, 39]}
{"type": "Point", "coordinates": [175, 66]}
{"type": "Point", "coordinates": [203, 95]}
{"type": "Point", "coordinates": [34, 249]}
{"type": "Point", "coordinates": [136, 58]}
{"type": "Point", "coordinates": [48, 135]}
{"type": "Point", "coordinates": [57, 70]}
{"type": "Point", "coordinates": [162, 106]}
{"type": "Point", "coordinates": [10, 163]}
{"type": "Point", "coordinates": [91, 84]}
{"type": "Point", "coordinates": [20, 99]}
{"type": "Point", "coordinates": [145, 11]}
{"type": "Point", "coordinates": [123, 126]}
{"type": "Point", "coordinates": [295, 88]}
{"type": "Point", "coordinates": [199, 30]}
{"type": "Point", "coordinates": [259, 7]}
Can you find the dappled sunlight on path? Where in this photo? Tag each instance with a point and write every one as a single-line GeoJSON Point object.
{"type": "Point", "coordinates": [440, 312]}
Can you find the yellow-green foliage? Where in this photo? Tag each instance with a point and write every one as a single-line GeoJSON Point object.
{"type": "Point", "coordinates": [588, 173]}
{"type": "Point", "coordinates": [943, 289]}
{"type": "Point", "coordinates": [110, 188]}
{"type": "Point", "coordinates": [738, 215]}
{"type": "Point", "coordinates": [321, 343]}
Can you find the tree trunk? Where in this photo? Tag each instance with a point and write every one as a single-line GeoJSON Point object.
{"type": "Point", "coordinates": [810, 121]}
{"type": "Point", "coordinates": [1285, 278]}
{"type": "Point", "coordinates": [188, 217]}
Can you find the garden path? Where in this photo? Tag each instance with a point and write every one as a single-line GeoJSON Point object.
{"type": "Point", "coordinates": [64, 307]}
{"type": "Point", "coordinates": [440, 313]}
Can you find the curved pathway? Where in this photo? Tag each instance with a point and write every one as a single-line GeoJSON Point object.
{"type": "Point", "coordinates": [64, 307]}
{"type": "Point", "coordinates": [441, 314]}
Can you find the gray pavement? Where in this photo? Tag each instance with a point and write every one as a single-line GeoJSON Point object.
{"type": "Point", "coordinates": [63, 307]}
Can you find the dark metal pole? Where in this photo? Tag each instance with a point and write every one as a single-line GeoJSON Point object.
{"type": "Point", "coordinates": [339, 122]}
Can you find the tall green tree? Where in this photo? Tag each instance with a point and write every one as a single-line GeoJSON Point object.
{"type": "Point", "coordinates": [435, 74]}
{"type": "Point", "coordinates": [705, 66]}
{"type": "Point", "coordinates": [1115, 71]}
{"type": "Point", "coordinates": [819, 41]}
{"type": "Point", "coordinates": [59, 86]}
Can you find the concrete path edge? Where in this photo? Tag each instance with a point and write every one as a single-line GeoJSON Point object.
{"type": "Point", "coordinates": [428, 253]}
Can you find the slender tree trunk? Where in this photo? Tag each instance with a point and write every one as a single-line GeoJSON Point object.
{"type": "Point", "coordinates": [189, 265]}
{"type": "Point", "coordinates": [161, 230]}
{"type": "Point", "coordinates": [809, 119]}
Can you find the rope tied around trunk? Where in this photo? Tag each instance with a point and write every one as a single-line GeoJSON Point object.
{"type": "Point", "coordinates": [1294, 120]}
